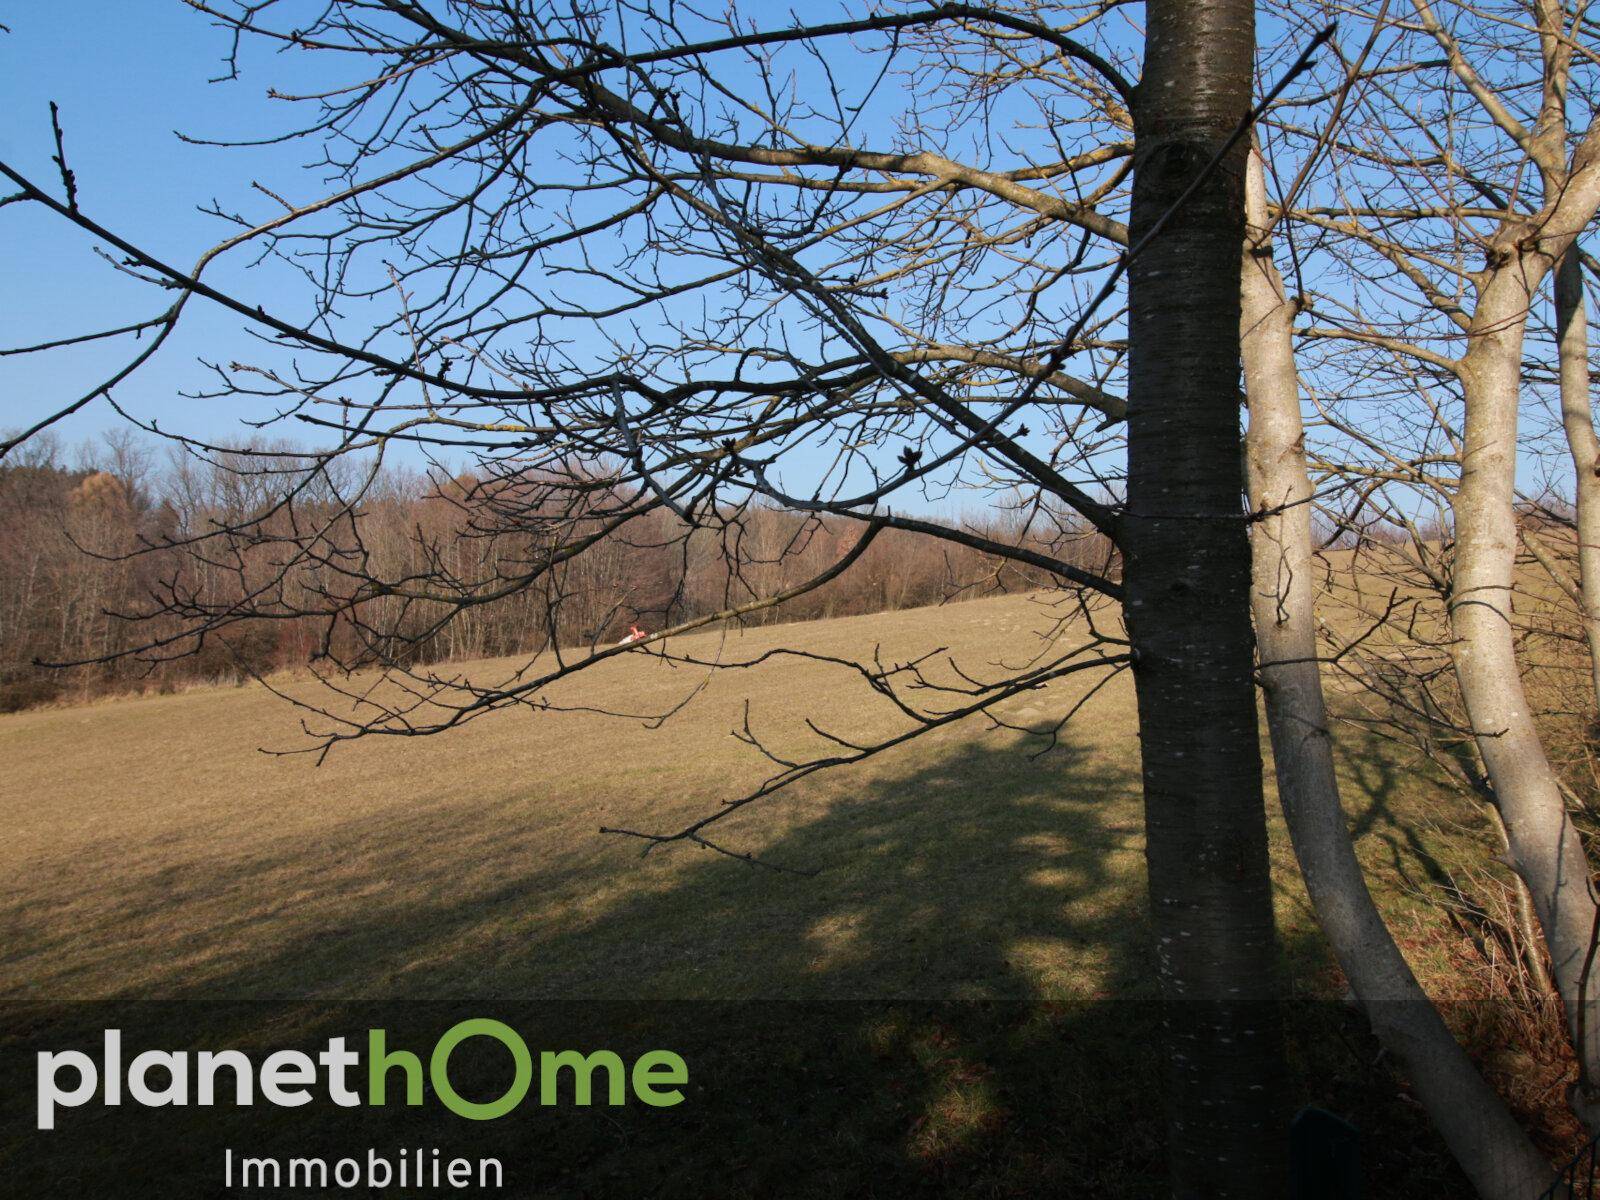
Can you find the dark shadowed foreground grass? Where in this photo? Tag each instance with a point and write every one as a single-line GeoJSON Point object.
{"type": "Point", "coordinates": [959, 1002]}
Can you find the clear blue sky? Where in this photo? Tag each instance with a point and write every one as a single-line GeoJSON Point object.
{"type": "Point", "coordinates": [127, 75]}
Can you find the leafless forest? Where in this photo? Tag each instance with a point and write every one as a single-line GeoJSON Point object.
{"type": "Point", "coordinates": [90, 536]}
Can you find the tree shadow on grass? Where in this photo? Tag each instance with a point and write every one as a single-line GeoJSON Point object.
{"type": "Point", "coordinates": [958, 1004]}
{"type": "Point", "coordinates": [1378, 773]}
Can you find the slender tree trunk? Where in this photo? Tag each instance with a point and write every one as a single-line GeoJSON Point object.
{"type": "Point", "coordinates": [1572, 328]}
{"type": "Point", "coordinates": [1544, 846]}
{"type": "Point", "coordinates": [1188, 614]}
{"type": "Point", "coordinates": [1482, 1135]}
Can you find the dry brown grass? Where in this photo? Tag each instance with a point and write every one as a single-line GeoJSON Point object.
{"type": "Point", "coordinates": [957, 1003]}
{"type": "Point", "coordinates": [133, 824]}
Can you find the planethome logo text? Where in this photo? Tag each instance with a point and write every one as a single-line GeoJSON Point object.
{"type": "Point", "coordinates": [290, 1078]}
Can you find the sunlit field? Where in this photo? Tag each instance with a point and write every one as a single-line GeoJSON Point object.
{"type": "Point", "coordinates": [956, 1002]}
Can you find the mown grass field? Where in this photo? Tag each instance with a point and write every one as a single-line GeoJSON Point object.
{"type": "Point", "coordinates": [958, 1002]}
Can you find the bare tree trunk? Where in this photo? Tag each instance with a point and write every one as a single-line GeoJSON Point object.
{"type": "Point", "coordinates": [1188, 614]}
{"type": "Point", "coordinates": [1482, 1135]}
{"type": "Point", "coordinates": [1544, 846]}
{"type": "Point", "coordinates": [1572, 328]}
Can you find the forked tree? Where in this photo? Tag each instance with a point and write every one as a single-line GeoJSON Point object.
{"type": "Point", "coordinates": [1451, 207]}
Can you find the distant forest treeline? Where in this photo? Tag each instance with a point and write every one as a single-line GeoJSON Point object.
{"type": "Point", "coordinates": [91, 539]}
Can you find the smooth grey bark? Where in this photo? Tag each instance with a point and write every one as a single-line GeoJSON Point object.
{"type": "Point", "coordinates": [1187, 565]}
{"type": "Point", "coordinates": [1577, 419]}
{"type": "Point", "coordinates": [1544, 847]}
{"type": "Point", "coordinates": [1491, 1147]}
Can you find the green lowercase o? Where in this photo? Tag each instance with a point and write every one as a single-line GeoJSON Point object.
{"type": "Point", "coordinates": [439, 1068]}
